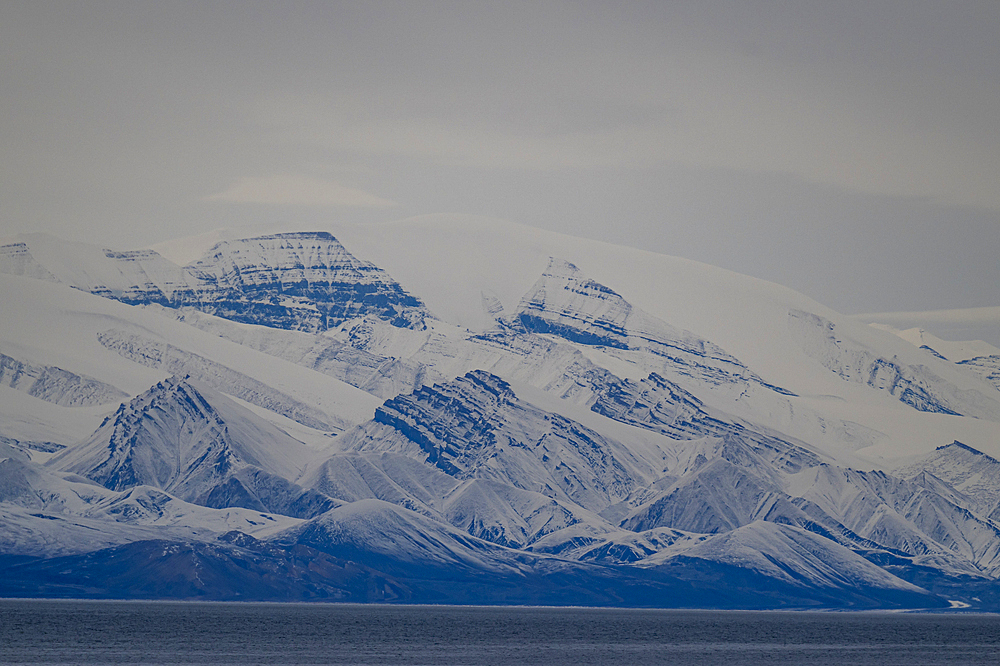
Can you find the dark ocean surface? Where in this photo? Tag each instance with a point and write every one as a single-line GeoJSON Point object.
{"type": "Point", "coordinates": [96, 632]}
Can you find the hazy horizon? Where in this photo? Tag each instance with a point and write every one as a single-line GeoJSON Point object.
{"type": "Point", "coordinates": [848, 150]}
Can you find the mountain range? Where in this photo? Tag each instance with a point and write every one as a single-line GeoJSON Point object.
{"type": "Point", "coordinates": [457, 410]}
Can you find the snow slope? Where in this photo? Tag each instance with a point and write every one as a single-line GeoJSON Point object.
{"type": "Point", "coordinates": [54, 325]}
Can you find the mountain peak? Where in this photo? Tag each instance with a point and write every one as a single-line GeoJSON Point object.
{"type": "Point", "coordinates": [965, 447]}
{"type": "Point", "coordinates": [301, 280]}
{"type": "Point", "coordinates": [198, 445]}
{"type": "Point", "coordinates": [566, 303]}
{"type": "Point", "coordinates": [150, 439]}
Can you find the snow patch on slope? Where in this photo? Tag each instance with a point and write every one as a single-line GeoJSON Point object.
{"type": "Point", "coordinates": [381, 376]}
{"type": "Point", "coordinates": [175, 361]}
{"type": "Point", "coordinates": [55, 385]}
{"type": "Point", "coordinates": [915, 385]}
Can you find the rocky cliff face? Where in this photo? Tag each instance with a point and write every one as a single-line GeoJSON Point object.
{"type": "Point", "coordinates": [476, 427]}
{"type": "Point", "coordinates": [301, 281]}
{"type": "Point", "coordinates": [565, 303]}
{"type": "Point", "coordinates": [657, 404]}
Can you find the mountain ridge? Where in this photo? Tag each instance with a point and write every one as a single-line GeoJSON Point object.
{"type": "Point", "coordinates": [560, 413]}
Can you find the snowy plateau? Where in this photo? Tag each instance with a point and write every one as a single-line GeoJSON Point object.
{"type": "Point", "coordinates": [456, 410]}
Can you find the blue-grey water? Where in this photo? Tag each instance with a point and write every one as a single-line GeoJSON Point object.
{"type": "Point", "coordinates": [78, 632]}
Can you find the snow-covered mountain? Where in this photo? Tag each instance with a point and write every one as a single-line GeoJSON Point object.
{"type": "Point", "coordinates": [462, 410]}
{"type": "Point", "coordinates": [198, 446]}
{"type": "Point", "coordinates": [302, 281]}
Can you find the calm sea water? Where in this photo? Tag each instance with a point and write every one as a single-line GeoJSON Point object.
{"type": "Point", "coordinates": [75, 632]}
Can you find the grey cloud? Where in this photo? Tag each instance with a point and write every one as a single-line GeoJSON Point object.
{"type": "Point", "coordinates": [746, 134]}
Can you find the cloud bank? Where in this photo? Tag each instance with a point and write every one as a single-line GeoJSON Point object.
{"type": "Point", "coordinates": [296, 190]}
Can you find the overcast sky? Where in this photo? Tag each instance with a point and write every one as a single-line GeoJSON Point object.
{"type": "Point", "coordinates": [848, 150]}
